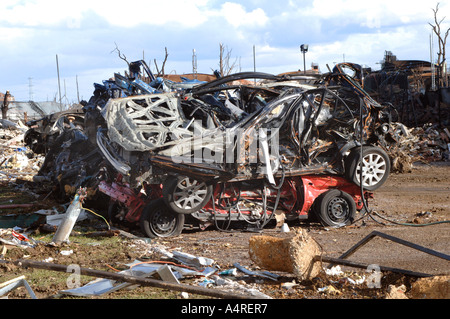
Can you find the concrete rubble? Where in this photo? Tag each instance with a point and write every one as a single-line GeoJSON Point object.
{"type": "Point", "coordinates": [394, 292]}
{"type": "Point", "coordinates": [293, 255]}
{"type": "Point", "coordinates": [436, 287]}
{"type": "Point", "coordinates": [419, 144]}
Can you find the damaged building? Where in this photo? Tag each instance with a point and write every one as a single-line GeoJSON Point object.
{"type": "Point", "coordinates": [411, 88]}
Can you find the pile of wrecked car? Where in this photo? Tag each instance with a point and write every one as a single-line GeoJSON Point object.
{"type": "Point", "coordinates": [168, 155]}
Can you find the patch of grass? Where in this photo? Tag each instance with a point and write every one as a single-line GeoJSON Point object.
{"type": "Point", "coordinates": [101, 253]}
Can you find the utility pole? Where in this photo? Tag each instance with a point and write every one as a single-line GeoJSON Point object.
{"type": "Point", "coordinates": [194, 63]}
{"type": "Point", "coordinates": [65, 94]}
{"type": "Point", "coordinates": [30, 89]}
{"type": "Point", "coordinates": [254, 61]}
{"type": "Point", "coordinates": [78, 91]}
{"type": "Point", "coordinates": [59, 83]}
{"type": "Point", "coordinates": [304, 49]}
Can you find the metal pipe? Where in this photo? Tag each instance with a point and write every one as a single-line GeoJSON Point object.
{"type": "Point", "coordinates": [394, 239]}
{"type": "Point", "coordinates": [304, 63]}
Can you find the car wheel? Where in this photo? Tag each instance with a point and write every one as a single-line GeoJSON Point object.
{"type": "Point", "coordinates": [157, 220]}
{"type": "Point", "coordinates": [185, 195]}
{"type": "Point", "coordinates": [375, 166]}
{"type": "Point", "coordinates": [116, 212]}
{"type": "Point", "coordinates": [335, 208]}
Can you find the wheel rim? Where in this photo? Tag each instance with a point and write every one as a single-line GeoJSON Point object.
{"type": "Point", "coordinates": [373, 169]}
{"type": "Point", "coordinates": [189, 194]}
{"type": "Point", "coordinates": [338, 209]}
{"type": "Point", "coordinates": [162, 223]}
{"type": "Point", "coordinates": [116, 212]}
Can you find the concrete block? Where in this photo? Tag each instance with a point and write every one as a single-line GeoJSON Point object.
{"type": "Point", "coordinates": [293, 254]}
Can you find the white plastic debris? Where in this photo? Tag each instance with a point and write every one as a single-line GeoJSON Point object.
{"type": "Point", "coordinates": [192, 260]}
{"type": "Point", "coordinates": [334, 271]}
{"type": "Point", "coordinates": [288, 285]}
{"type": "Point", "coordinates": [54, 218]}
{"type": "Point", "coordinates": [184, 295]}
{"type": "Point", "coordinates": [285, 228]}
{"type": "Point", "coordinates": [233, 285]}
{"type": "Point", "coordinates": [101, 286]}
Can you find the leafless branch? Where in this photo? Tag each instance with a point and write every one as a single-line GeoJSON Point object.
{"type": "Point", "coordinates": [225, 68]}
{"type": "Point", "coordinates": [161, 73]}
{"type": "Point", "coordinates": [442, 40]}
{"type": "Point", "coordinates": [120, 54]}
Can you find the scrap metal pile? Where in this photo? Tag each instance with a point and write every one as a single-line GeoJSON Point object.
{"type": "Point", "coordinates": [170, 155]}
{"type": "Point", "coordinates": [419, 144]}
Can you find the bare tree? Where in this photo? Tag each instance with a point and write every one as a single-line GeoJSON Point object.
{"type": "Point", "coordinates": [120, 54]}
{"type": "Point", "coordinates": [225, 68]}
{"type": "Point", "coordinates": [442, 39]}
{"type": "Point", "coordinates": [161, 73]}
{"type": "Point", "coordinates": [5, 105]}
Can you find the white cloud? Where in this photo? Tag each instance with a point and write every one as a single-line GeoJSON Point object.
{"type": "Point", "coordinates": [186, 13]}
{"type": "Point", "coordinates": [237, 16]}
{"type": "Point", "coordinates": [368, 49]}
{"type": "Point", "coordinates": [152, 12]}
{"type": "Point", "coordinates": [374, 14]}
{"type": "Point", "coordinates": [34, 13]}
{"type": "Point", "coordinates": [10, 35]}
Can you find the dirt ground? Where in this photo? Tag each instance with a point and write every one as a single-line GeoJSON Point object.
{"type": "Point", "coordinates": [410, 206]}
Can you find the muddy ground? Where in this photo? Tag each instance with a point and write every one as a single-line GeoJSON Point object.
{"type": "Point", "coordinates": [411, 206]}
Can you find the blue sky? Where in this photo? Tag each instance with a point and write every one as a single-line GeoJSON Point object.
{"type": "Point", "coordinates": [83, 34]}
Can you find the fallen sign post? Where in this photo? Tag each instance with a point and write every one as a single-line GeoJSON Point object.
{"type": "Point", "coordinates": [341, 260]}
{"type": "Point", "coordinates": [373, 234]}
{"type": "Point", "coordinates": [131, 279]}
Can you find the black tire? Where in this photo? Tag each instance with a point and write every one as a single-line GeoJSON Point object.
{"type": "Point", "coordinates": [376, 167]}
{"type": "Point", "coordinates": [116, 213]}
{"type": "Point", "coordinates": [157, 220]}
{"type": "Point", "coordinates": [185, 195]}
{"type": "Point", "coordinates": [335, 208]}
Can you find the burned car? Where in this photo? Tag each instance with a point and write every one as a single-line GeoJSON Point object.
{"type": "Point", "coordinates": [221, 153]}
{"type": "Point", "coordinates": [201, 154]}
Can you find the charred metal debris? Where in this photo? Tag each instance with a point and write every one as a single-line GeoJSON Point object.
{"type": "Point", "coordinates": [168, 155]}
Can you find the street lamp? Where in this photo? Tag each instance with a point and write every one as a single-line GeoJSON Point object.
{"type": "Point", "coordinates": [304, 49]}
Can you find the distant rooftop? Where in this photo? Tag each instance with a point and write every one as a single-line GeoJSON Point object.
{"type": "Point", "coordinates": [32, 110]}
